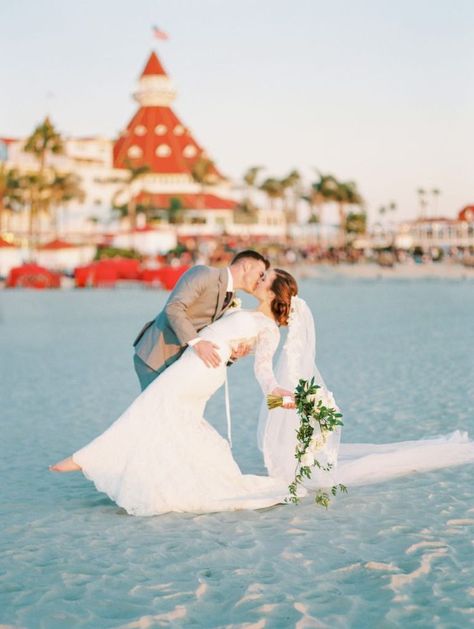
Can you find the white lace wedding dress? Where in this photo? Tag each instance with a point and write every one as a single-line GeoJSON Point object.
{"type": "Point", "coordinates": [162, 455]}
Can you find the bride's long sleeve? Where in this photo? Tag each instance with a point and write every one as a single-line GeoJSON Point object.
{"type": "Point", "coordinates": [266, 346]}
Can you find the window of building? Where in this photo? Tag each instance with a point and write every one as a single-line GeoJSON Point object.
{"type": "Point", "coordinates": [135, 151]}
{"type": "Point", "coordinates": [189, 151]}
{"type": "Point", "coordinates": [163, 150]}
{"type": "Point", "coordinates": [160, 129]}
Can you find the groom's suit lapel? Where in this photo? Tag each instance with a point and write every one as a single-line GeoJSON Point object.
{"type": "Point", "coordinates": [222, 290]}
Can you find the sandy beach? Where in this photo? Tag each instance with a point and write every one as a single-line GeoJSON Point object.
{"type": "Point", "coordinates": [396, 554]}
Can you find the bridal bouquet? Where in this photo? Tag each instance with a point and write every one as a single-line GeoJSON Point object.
{"type": "Point", "coordinates": [318, 417]}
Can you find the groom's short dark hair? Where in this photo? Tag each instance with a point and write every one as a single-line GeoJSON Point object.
{"type": "Point", "coordinates": [250, 253]}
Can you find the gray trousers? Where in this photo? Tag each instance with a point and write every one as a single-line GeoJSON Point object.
{"type": "Point", "coordinates": [145, 374]}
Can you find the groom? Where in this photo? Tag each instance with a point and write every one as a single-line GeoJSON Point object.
{"type": "Point", "coordinates": [201, 296]}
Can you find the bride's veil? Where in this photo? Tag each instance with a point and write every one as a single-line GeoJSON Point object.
{"type": "Point", "coordinates": [277, 428]}
{"type": "Point", "coordinates": [296, 360]}
{"type": "Point", "coordinates": [353, 464]}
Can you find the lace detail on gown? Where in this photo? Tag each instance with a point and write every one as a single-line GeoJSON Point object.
{"type": "Point", "coordinates": [267, 343]}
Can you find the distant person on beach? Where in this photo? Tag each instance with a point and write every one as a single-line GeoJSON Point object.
{"type": "Point", "coordinates": [202, 295]}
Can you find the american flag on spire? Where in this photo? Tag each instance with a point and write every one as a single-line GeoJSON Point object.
{"type": "Point", "coordinates": [159, 33]}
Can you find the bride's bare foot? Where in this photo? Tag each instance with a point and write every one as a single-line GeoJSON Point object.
{"type": "Point", "coordinates": [66, 465]}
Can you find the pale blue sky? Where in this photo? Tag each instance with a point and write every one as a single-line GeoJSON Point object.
{"type": "Point", "coordinates": [377, 91]}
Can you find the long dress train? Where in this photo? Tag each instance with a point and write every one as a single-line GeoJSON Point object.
{"type": "Point", "coordinates": [353, 463]}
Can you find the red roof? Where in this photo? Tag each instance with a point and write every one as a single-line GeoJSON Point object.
{"type": "Point", "coordinates": [7, 140]}
{"type": "Point", "coordinates": [189, 201]}
{"type": "Point", "coordinates": [153, 66]}
{"type": "Point", "coordinates": [56, 244]}
{"type": "Point", "coordinates": [162, 143]}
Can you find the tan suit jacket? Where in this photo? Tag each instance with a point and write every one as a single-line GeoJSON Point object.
{"type": "Point", "coordinates": [195, 302]}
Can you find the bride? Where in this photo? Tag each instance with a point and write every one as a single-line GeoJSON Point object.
{"type": "Point", "coordinates": [161, 455]}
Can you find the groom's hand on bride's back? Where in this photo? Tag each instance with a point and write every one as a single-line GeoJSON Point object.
{"type": "Point", "coordinates": [206, 350]}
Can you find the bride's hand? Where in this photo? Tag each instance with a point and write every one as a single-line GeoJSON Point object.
{"type": "Point", "coordinates": [242, 349]}
{"type": "Point", "coordinates": [285, 393]}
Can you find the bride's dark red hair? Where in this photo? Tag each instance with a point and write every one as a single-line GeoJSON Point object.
{"type": "Point", "coordinates": [285, 287]}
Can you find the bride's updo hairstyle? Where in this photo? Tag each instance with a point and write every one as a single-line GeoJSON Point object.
{"type": "Point", "coordinates": [285, 287]}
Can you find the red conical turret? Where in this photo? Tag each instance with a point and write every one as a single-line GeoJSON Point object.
{"type": "Point", "coordinates": [153, 66]}
{"type": "Point", "coordinates": [155, 136]}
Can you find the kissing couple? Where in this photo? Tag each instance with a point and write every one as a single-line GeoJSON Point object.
{"type": "Point", "coordinates": [161, 454]}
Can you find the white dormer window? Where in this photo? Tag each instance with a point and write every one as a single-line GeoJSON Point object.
{"type": "Point", "coordinates": [163, 150]}
{"type": "Point", "coordinates": [179, 129]}
{"type": "Point", "coordinates": [160, 129]}
{"type": "Point", "coordinates": [134, 151]}
{"type": "Point", "coordinates": [140, 130]}
{"type": "Point", "coordinates": [189, 151]}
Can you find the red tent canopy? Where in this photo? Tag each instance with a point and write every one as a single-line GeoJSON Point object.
{"type": "Point", "coordinates": [32, 276]}
{"type": "Point", "coordinates": [167, 276]}
{"type": "Point", "coordinates": [106, 272]}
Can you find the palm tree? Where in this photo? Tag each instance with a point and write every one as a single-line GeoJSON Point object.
{"type": "Point", "coordinates": [323, 191]}
{"type": "Point", "coordinates": [64, 188]}
{"type": "Point", "coordinates": [246, 211]}
{"type": "Point", "coordinates": [250, 180]}
{"type": "Point", "coordinates": [391, 207]}
{"type": "Point", "coordinates": [43, 141]}
{"type": "Point", "coordinates": [202, 172]}
{"type": "Point", "coordinates": [422, 201]}
{"type": "Point", "coordinates": [134, 173]}
{"type": "Point", "coordinates": [273, 189]}
{"type": "Point", "coordinates": [250, 176]}
{"type": "Point", "coordinates": [34, 189]}
{"type": "Point", "coordinates": [292, 182]}
{"type": "Point", "coordinates": [347, 194]}
{"type": "Point", "coordinates": [10, 194]}
{"type": "Point", "coordinates": [436, 194]}
{"type": "Point", "coordinates": [356, 223]}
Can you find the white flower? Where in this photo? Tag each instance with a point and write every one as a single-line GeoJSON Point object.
{"type": "Point", "coordinates": [317, 442]}
{"type": "Point", "coordinates": [307, 460]}
{"type": "Point", "coordinates": [325, 397]}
